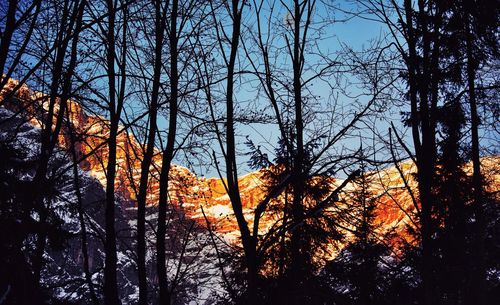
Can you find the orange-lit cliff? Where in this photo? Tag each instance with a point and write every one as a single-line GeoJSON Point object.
{"type": "Point", "coordinates": [395, 211]}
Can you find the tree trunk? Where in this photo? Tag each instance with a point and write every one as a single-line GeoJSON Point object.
{"type": "Point", "coordinates": [168, 153]}
{"type": "Point", "coordinates": [231, 167]}
{"type": "Point", "coordinates": [81, 214]}
{"type": "Point", "coordinates": [298, 259]}
{"type": "Point", "coordinates": [423, 139]}
{"type": "Point", "coordinates": [478, 276]}
{"type": "Point", "coordinates": [110, 279]}
{"type": "Point", "coordinates": [146, 162]}
{"type": "Point", "coordinates": [10, 26]}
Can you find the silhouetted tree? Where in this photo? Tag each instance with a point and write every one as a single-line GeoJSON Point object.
{"type": "Point", "coordinates": [115, 55]}
{"type": "Point", "coordinates": [436, 52]}
{"type": "Point", "coordinates": [160, 15]}
{"type": "Point", "coordinates": [20, 20]}
{"type": "Point", "coordinates": [356, 275]}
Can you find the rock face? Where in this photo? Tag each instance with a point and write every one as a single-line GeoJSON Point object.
{"type": "Point", "coordinates": [190, 248]}
{"type": "Point", "coordinates": [395, 210]}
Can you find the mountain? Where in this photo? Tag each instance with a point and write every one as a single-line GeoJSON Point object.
{"type": "Point", "coordinates": [395, 212]}
{"type": "Point", "coordinates": [189, 192]}
{"type": "Point", "coordinates": [193, 264]}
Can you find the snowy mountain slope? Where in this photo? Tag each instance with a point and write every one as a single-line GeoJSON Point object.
{"type": "Point", "coordinates": [196, 272]}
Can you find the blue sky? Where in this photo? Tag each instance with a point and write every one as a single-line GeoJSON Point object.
{"type": "Point", "coordinates": [355, 33]}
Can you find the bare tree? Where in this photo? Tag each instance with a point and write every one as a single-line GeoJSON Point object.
{"type": "Point", "coordinates": [296, 165]}
{"type": "Point", "coordinates": [116, 99]}
{"type": "Point", "coordinates": [186, 21]}
{"type": "Point", "coordinates": [159, 31]}
{"type": "Point", "coordinates": [25, 24]}
{"type": "Point", "coordinates": [81, 212]}
{"type": "Point", "coordinates": [53, 121]}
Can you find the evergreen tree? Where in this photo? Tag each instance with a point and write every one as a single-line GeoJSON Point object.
{"type": "Point", "coordinates": [20, 223]}
{"type": "Point", "coordinates": [356, 275]}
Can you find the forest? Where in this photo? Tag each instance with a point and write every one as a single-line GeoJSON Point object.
{"type": "Point", "coordinates": [250, 152]}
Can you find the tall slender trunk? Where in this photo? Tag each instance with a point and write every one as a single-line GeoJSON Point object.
{"type": "Point", "coordinates": [83, 228]}
{"type": "Point", "coordinates": [297, 255]}
{"type": "Point", "coordinates": [110, 279]}
{"type": "Point", "coordinates": [65, 96]}
{"type": "Point", "coordinates": [81, 214]}
{"type": "Point", "coordinates": [477, 278]}
{"type": "Point", "coordinates": [168, 153]}
{"type": "Point", "coordinates": [425, 197]}
{"type": "Point", "coordinates": [422, 140]}
{"type": "Point", "coordinates": [8, 32]}
{"type": "Point", "coordinates": [148, 156]}
{"type": "Point", "coordinates": [231, 167]}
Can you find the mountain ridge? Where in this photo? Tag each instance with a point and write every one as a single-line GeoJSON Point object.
{"type": "Point", "coordinates": [394, 212]}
